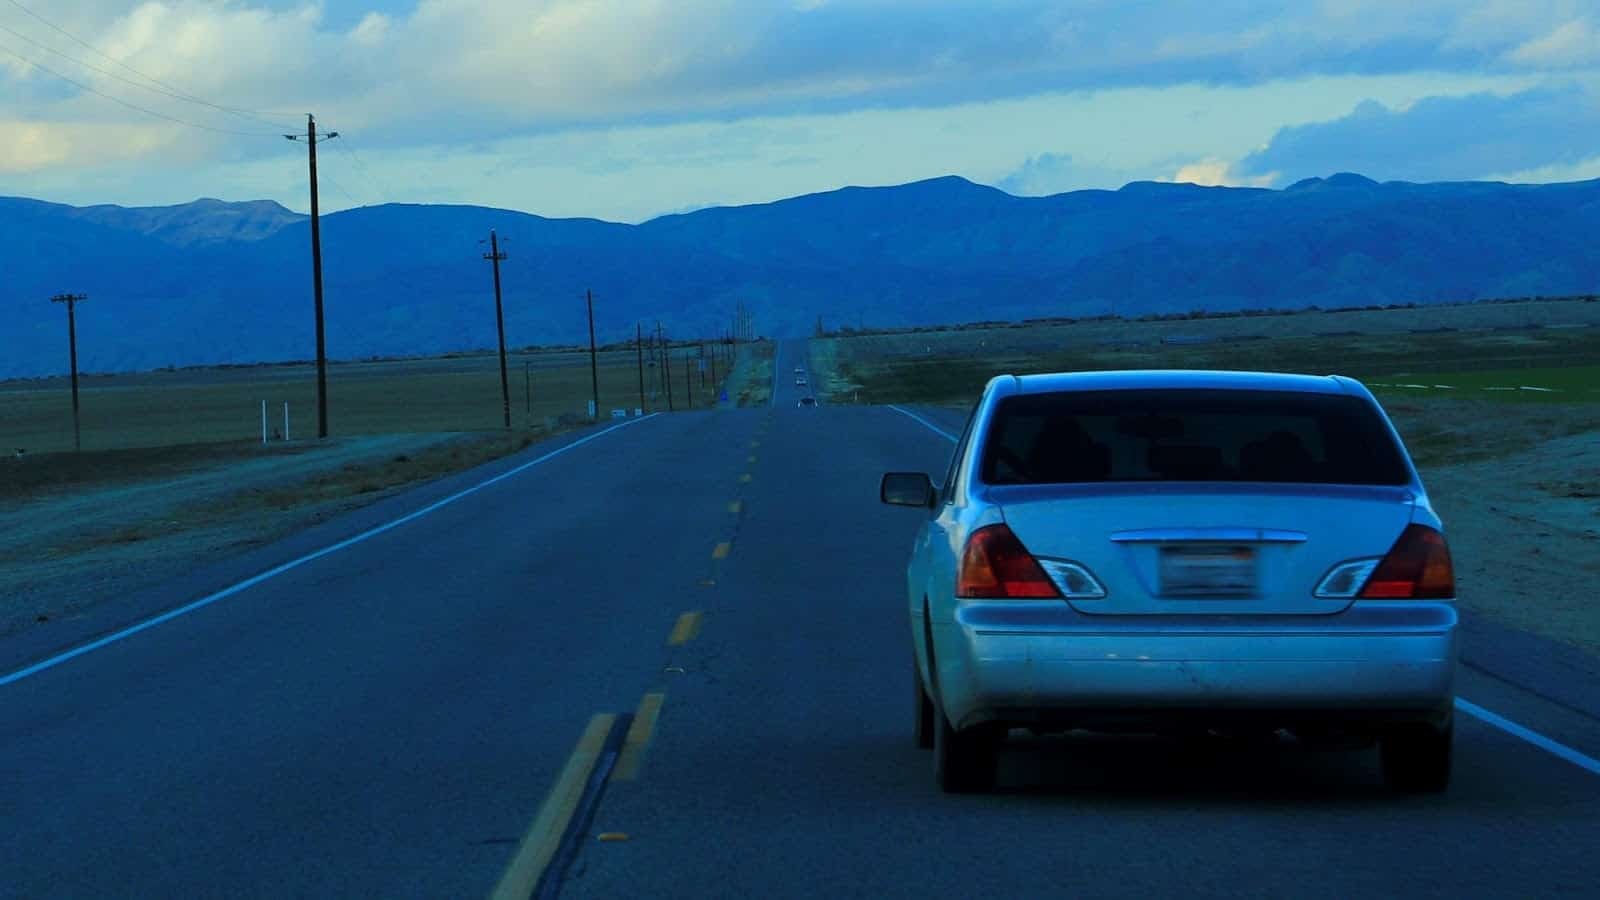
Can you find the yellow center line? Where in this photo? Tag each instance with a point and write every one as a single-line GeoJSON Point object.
{"type": "Point", "coordinates": [544, 836]}
{"type": "Point", "coordinates": [631, 759]}
{"type": "Point", "coordinates": [751, 458]}
{"type": "Point", "coordinates": [688, 626]}
{"type": "Point", "coordinates": [735, 506]}
{"type": "Point", "coordinates": [745, 477]}
{"type": "Point", "coordinates": [721, 550]}
{"type": "Point", "coordinates": [754, 444]}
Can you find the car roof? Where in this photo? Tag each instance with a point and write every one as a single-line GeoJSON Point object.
{"type": "Point", "coordinates": [1130, 379]}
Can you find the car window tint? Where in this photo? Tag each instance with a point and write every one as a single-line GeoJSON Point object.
{"type": "Point", "coordinates": [1190, 435]}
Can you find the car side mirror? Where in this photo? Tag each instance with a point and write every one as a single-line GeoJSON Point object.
{"type": "Point", "coordinates": [906, 489]}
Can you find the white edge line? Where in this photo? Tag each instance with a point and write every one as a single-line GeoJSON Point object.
{"type": "Point", "coordinates": [1587, 763]}
{"type": "Point", "coordinates": [932, 427]}
{"type": "Point", "coordinates": [275, 571]}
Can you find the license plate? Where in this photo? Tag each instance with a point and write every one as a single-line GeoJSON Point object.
{"type": "Point", "coordinates": [1208, 571]}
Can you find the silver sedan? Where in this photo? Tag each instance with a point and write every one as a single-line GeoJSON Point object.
{"type": "Point", "coordinates": [1180, 551]}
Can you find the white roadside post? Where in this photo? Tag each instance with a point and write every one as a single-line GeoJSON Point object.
{"type": "Point", "coordinates": [286, 420]}
{"type": "Point", "coordinates": [263, 422]}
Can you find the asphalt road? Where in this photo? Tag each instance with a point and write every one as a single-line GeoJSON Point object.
{"type": "Point", "coordinates": [390, 718]}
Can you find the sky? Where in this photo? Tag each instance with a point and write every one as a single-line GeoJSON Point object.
{"type": "Point", "coordinates": [628, 109]}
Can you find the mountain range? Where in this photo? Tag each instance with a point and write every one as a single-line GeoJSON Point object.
{"type": "Point", "coordinates": [214, 282]}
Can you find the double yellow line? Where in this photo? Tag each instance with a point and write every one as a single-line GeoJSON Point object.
{"type": "Point", "coordinates": [550, 827]}
{"type": "Point", "coordinates": [688, 625]}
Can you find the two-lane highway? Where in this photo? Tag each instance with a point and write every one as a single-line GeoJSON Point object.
{"type": "Point", "coordinates": [385, 719]}
{"type": "Point", "coordinates": [401, 716]}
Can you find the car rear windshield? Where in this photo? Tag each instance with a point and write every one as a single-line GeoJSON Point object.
{"type": "Point", "coordinates": [1190, 435]}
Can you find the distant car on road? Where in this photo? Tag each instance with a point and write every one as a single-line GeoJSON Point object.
{"type": "Point", "coordinates": [1180, 552]}
{"type": "Point", "coordinates": [807, 401]}
{"type": "Point", "coordinates": [800, 381]}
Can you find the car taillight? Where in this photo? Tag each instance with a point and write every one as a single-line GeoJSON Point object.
{"type": "Point", "coordinates": [995, 564]}
{"type": "Point", "coordinates": [1416, 567]}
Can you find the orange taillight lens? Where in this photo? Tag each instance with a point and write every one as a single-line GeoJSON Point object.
{"type": "Point", "coordinates": [996, 565]}
{"type": "Point", "coordinates": [1417, 567]}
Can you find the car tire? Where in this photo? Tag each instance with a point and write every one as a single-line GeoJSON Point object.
{"type": "Point", "coordinates": [964, 762]}
{"type": "Point", "coordinates": [923, 726]}
{"type": "Point", "coordinates": [1416, 758]}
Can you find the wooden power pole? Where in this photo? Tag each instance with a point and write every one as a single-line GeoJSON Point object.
{"type": "Point", "coordinates": [311, 138]}
{"type": "Point", "coordinates": [666, 364]}
{"type": "Point", "coordinates": [638, 346]}
{"type": "Point", "coordinates": [72, 301]}
{"type": "Point", "coordinates": [495, 255]}
{"type": "Point", "coordinates": [594, 369]}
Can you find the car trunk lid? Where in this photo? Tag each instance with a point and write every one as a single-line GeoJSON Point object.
{"type": "Point", "coordinates": [1206, 548]}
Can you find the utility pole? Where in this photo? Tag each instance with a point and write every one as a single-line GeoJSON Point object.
{"type": "Point", "coordinates": [527, 387]}
{"type": "Point", "coordinates": [638, 346]}
{"type": "Point", "coordinates": [494, 256]}
{"type": "Point", "coordinates": [594, 370]}
{"type": "Point", "coordinates": [688, 384]}
{"type": "Point", "coordinates": [72, 300]}
{"type": "Point", "coordinates": [311, 138]}
{"type": "Point", "coordinates": [666, 364]}
{"type": "Point", "coordinates": [713, 362]}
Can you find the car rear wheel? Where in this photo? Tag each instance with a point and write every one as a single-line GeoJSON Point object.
{"type": "Point", "coordinates": [923, 727]}
{"type": "Point", "coordinates": [1416, 758]}
{"type": "Point", "coordinates": [964, 762]}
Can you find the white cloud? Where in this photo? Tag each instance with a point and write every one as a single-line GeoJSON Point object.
{"type": "Point", "coordinates": [1214, 172]}
{"type": "Point", "coordinates": [1458, 136]}
{"type": "Point", "coordinates": [1574, 43]}
{"type": "Point", "coordinates": [34, 147]}
{"type": "Point", "coordinates": [623, 108]}
{"type": "Point", "coordinates": [371, 30]}
{"type": "Point", "coordinates": [1585, 170]}
{"type": "Point", "coordinates": [491, 67]}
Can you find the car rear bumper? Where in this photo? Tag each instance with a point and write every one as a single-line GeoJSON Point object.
{"type": "Point", "coordinates": [1033, 662]}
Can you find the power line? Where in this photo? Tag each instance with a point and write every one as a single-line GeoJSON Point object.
{"type": "Point", "coordinates": [252, 113]}
{"type": "Point", "coordinates": [383, 186]}
{"type": "Point", "coordinates": [134, 106]}
{"type": "Point", "coordinates": [340, 188]}
{"type": "Point", "coordinates": [366, 174]}
{"type": "Point", "coordinates": [145, 87]}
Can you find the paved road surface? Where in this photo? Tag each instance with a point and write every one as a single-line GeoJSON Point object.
{"type": "Point", "coordinates": [389, 718]}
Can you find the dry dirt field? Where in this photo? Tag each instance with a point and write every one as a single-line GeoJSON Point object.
{"type": "Point", "coordinates": [69, 545]}
{"type": "Point", "coordinates": [1525, 533]}
{"type": "Point", "coordinates": [1029, 340]}
{"type": "Point", "coordinates": [179, 485]}
{"type": "Point", "coordinates": [165, 408]}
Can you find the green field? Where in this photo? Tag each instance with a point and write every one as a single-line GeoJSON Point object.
{"type": "Point", "coordinates": [1577, 383]}
{"type": "Point", "coordinates": [166, 408]}
{"type": "Point", "coordinates": [952, 366]}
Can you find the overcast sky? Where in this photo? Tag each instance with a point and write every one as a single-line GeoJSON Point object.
{"type": "Point", "coordinates": [626, 109]}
